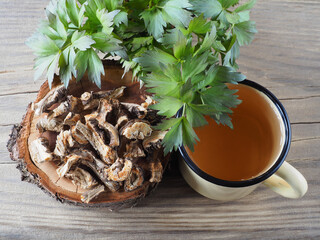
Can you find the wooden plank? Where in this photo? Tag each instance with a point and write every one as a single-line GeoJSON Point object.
{"type": "Point", "coordinates": [19, 82]}
{"type": "Point", "coordinates": [4, 137]}
{"type": "Point", "coordinates": [174, 211]}
{"type": "Point", "coordinates": [14, 107]}
{"type": "Point", "coordinates": [18, 20]}
{"type": "Point", "coordinates": [303, 110]}
{"type": "Point", "coordinates": [284, 53]}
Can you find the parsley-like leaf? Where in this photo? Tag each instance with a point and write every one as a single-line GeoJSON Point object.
{"type": "Point", "coordinates": [209, 8]}
{"type": "Point", "coordinates": [154, 22]}
{"type": "Point", "coordinates": [189, 136]}
{"type": "Point", "coordinates": [106, 19]}
{"type": "Point", "coordinates": [167, 106]}
{"type": "Point", "coordinates": [246, 6]}
{"type": "Point", "coordinates": [245, 32]}
{"type": "Point", "coordinates": [195, 117]}
{"type": "Point", "coordinates": [173, 138]}
{"type": "Point", "coordinates": [199, 25]}
{"type": "Point", "coordinates": [81, 41]}
{"type": "Point", "coordinates": [150, 60]}
{"type": "Point", "coordinates": [174, 12]}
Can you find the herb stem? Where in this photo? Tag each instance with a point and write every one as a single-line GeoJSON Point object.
{"type": "Point", "coordinates": [184, 110]}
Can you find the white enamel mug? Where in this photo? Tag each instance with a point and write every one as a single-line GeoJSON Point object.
{"type": "Point", "coordinates": [280, 177]}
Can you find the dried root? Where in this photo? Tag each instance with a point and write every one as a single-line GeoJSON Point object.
{"type": "Point", "coordinates": [103, 144]}
{"type": "Point", "coordinates": [39, 150]}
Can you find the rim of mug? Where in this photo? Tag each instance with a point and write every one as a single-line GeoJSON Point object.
{"type": "Point", "coordinates": [276, 165]}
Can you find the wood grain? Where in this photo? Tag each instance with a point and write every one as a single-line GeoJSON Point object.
{"type": "Point", "coordinates": [284, 57]}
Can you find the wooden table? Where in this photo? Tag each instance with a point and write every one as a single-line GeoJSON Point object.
{"type": "Point", "coordinates": [284, 57]}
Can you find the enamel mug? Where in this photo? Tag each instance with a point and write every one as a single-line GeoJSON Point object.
{"type": "Point", "coordinates": [280, 177]}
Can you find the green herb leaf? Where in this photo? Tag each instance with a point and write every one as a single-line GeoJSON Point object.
{"type": "Point", "coordinates": [179, 47]}
{"type": "Point", "coordinates": [232, 17]}
{"type": "Point", "coordinates": [195, 118]}
{"type": "Point", "coordinates": [174, 12]}
{"type": "Point", "coordinates": [73, 12]}
{"type": "Point", "coordinates": [167, 106]}
{"type": "Point", "coordinates": [209, 8]}
{"type": "Point", "coordinates": [194, 66]}
{"type": "Point", "coordinates": [121, 17]}
{"type": "Point", "coordinates": [220, 97]}
{"type": "Point", "coordinates": [154, 22]}
{"type": "Point", "coordinates": [150, 60]}
{"type": "Point", "coordinates": [173, 138]}
{"type": "Point", "coordinates": [141, 41]}
{"type": "Point", "coordinates": [208, 42]}
{"type": "Point", "coordinates": [222, 74]}
{"type": "Point", "coordinates": [245, 32]}
{"type": "Point", "coordinates": [167, 124]}
{"type": "Point", "coordinates": [162, 85]}
{"type": "Point", "coordinates": [51, 69]}
{"type": "Point", "coordinates": [42, 45]}
{"type": "Point", "coordinates": [246, 6]}
{"type": "Point", "coordinates": [189, 136]}
{"type": "Point", "coordinates": [42, 64]}
{"type": "Point", "coordinates": [228, 3]}
{"type": "Point", "coordinates": [112, 4]}
{"type": "Point", "coordinates": [105, 43]}
{"type": "Point", "coordinates": [95, 67]}
{"type": "Point", "coordinates": [199, 25]}
{"type": "Point", "coordinates": [106, 19]}
{"type": "Point", "coordinates": [81, 41]}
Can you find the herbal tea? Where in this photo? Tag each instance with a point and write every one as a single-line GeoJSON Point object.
{"type": "Point", "coordinates": [247, 150]}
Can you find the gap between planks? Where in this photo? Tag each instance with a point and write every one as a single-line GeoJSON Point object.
{"type": "Point", "coordinates": [18, 93]}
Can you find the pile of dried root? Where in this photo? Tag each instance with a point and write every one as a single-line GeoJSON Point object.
{"type": "Point", "coordinates": [98, 142]}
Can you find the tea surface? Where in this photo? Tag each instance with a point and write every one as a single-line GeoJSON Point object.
{"type": "Point", "coordinates": [250, 148]}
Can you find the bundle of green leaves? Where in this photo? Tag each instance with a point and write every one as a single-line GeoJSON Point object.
{"type": "Point", "coordinates": [185, 52]}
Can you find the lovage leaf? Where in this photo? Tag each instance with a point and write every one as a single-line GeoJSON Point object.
{"type": "Point", "coordinates": [247, 6]}
{"type": "Point", "coordinates": [223, 74]}
{"type": "Point", "coordinates": [73, 12]}
{"type": "Point", "coordinates": [221, 97]}
{"type": "Point", "coordinates": [174, 12]}
{"type": "Point", "coordinates": [209, 8]}
{"type": "Point", "coordinates": [245, 32]}
{"type": "Point", "coordinates": [52, 68]}
{"type": "Point", "coordinates": [162, 85]}
{"type": "Point", "coordinates": [194, 65]}
{"type": "Point", "coordinates": [195, 118]}
{"type": "Point", "coordinates": [228, 3]}
{"type": "Point", "coordinates": [41, 64]}
{"type": "Point", "coordinates": [154, 22]}
{"type": "Point", "coordinates": [42, 45]}
{"type": "Point", "coordinates": [95, 67]}
{"type": "Point", "coordinates": [106, 19]}
{"type": "Point", "coordinates": [167, 106]}
{"type": "Point", "coordinates": [105, 43]}
{"type": "Point", "coordinates": [121, 17]}
{"type": "Point", "coordinates": [199, 25]}
{"type": "Point", "coordinates": [81, 41]}
{"type": "Point", "coordinates": [189, 136]}
{"type": "Point", "coordinates": [89, 60]}
{"type": "Point", "coordinates": [167, 124]}
{"type": "Point", "coordinates": [150, 59]}
{"type": "Point", "coordinates": [173, 138]}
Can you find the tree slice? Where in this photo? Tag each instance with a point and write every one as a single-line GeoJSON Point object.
{"type": "Point", "coordinates": [44, 174]}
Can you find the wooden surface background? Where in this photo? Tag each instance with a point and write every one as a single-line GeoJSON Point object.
{"type": "Point", "coordinates": [284, 57]}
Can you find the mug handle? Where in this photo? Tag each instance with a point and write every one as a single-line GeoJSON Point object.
{"type": "Point", "coordinates": [288, 182]}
